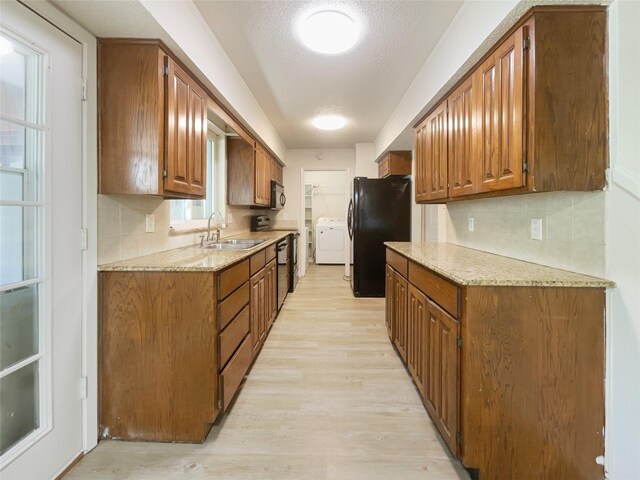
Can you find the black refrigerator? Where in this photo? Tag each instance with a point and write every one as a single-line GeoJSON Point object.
{"type": "Point", "coordinates": [380, 211]}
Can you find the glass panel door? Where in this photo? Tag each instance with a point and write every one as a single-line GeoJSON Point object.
{"type": "Point", "coordinates": [23, 384]}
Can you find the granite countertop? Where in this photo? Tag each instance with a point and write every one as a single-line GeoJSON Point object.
{"type": "Point", "coordinates": [466, 266]}
{"type": "Point", "coordinates": [194, 258]}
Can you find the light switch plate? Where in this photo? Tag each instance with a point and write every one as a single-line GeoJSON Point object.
{"type": "Point", "coordinates": [536, 229]}
{"type": "Point", "coordinates": [149, 223]}
{"type": "Point", "coordinates": [472, 224]}
{"type": "Point", "coordinates": [229, 218]}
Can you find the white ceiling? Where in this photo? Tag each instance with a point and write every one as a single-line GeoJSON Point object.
{"type": "Point", "coordinates": [293, 84]}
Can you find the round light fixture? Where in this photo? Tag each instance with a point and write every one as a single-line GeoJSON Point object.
{"type": "Point", "coordinates": [329, 122]}
{"type": "Point", "coordinates": [328, 32]}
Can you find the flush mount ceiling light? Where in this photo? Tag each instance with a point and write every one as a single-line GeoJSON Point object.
{"type": "Point", "coordinates": [328, 31]}
{"type": "Point", "coordinates": [329, 122]}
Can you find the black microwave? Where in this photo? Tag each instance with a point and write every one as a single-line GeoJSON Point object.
{"type": "Point", "coordinates": [278, 198]}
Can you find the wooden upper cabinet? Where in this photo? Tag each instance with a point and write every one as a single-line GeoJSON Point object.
{"type": "Point", "coordinates": [186, 133]}
{"type": "Point", "coordinates": [500, 116]}
{"type": "Point", "coordinates": [463, 150]}
{"type": "Point", "coordinates": [395, 163]}
{"type": "Point", "coordinates": [262, 177]}
{"type": "Point", "coordinates": [152, 118]}
{"type": "Point", "coordinates": [433, 156]}
{"type": "Point", "coordinates": [420, 167]}
{"type": "Point", "coordinates": [250, 170]}
{"type": "Point", "coordinates": [530, 117]}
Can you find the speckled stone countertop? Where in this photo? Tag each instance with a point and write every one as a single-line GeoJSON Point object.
{"type": "Point", "coordinates": [194, 258]}
{"type": "Point", "coordinates": [466, 266]}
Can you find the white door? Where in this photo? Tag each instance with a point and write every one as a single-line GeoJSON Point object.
{"type": "Point", "coordinates": [40, 247]}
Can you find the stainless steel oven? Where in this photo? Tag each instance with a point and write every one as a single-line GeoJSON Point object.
{"type": "Point", "coordinates": [293, 280]}
{"type": "Point", "coordinates": [282, 259]}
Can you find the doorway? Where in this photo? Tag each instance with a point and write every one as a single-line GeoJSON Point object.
{"type": "Point", "coordinates": [41, 221]}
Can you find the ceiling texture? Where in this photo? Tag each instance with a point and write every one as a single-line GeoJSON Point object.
{"type": "Point", "coordinates": [293, 84]}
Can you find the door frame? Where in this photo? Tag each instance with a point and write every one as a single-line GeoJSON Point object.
{"type": "Point", "coordinates": [89, 214]}
{"type": "Point", "coordinates": [302, 252]}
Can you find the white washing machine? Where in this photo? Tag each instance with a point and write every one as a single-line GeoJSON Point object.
{"type": "Point", "coordinates": [330, 242]}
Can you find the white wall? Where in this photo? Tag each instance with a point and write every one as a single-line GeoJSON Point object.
{"type": "Point", "coordinates": [471, 28]}
{"type": "Point", "coordinates": [184, 23]}
{"type": "Point", "coordinates": [622, 448]}
{"type": "Point", "coordinates": [365, 161]}
{"type": "Point", "coordinates": [572, 227]}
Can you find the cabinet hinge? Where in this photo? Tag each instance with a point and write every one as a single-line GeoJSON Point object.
{"type": "Point", "coordinates": [83, 96]}
{"type": "Point", "coordinates": [458, 438]}
{"type": "Point", "coordinates": [459, 341]}
{"type": "Point", "coordinates": [84, 239]}
{"type": "Point", "coordinates": [219, 404]}
{"type": "Point", "coordinates": [84, 387]}
{"type": "Point", "coordinates": [525, 43]}
{"type": "Point", "coordinates": [525, 166]}
{"type": "Point", "coordinates": [164, 173]}
{"type": "Point", "coordinates": [165, 70]}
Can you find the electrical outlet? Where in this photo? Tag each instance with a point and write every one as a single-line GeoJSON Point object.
{"type": "Point", "coordinates": [536, 229]}
{"type": "Point", "coordinates": [472, 224]}
{"type": "Point", "coordinates": [149, 223]}
{"type": "Point", "coordinates": [229, 218]}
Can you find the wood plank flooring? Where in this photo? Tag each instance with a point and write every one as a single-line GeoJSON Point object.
{"type": "Point", "coordinates": [327, 399]}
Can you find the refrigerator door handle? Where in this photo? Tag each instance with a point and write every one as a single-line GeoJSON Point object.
{"type": "Point", "coordinates": [350, 219]}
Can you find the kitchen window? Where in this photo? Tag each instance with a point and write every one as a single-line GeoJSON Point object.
{"type": "Point", "coordinates": [193, 214]}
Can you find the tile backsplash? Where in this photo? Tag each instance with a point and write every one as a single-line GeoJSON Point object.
{"type": "Point", "coordinates": [121, 227]}
{"type": "Point", "coordinates": [572, 228]}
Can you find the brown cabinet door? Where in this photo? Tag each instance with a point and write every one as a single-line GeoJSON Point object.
{"type": "Point", "coordinates": [177, 158]}
{"type": "Point", "coordinates": [400, 297]}
{"type": "Point", "coordinates": [186, 154]}
{"type": "Point", "coordinates": [500, 119]}
{"type": "Point", "coordinates": [420, 175]}
{"type": "Point", "coordinates": [389, 301]}
{"type": "Point", "coordinates": [463, 164]}
{"type": "Point", "coordinates": [255, 305]}
{"type": "Point", "coordinates": [416, 335]}
{"type": "Point", "coordinates": [262, 177]}
{"type": "Point", "coordinates": [442, 378]}
{"type": "Point", "coordinates": [197, 159]}
{"type": "Point", "coordinates": [431, 156]}
{"type": "Point", "coordinates": [264, 305]}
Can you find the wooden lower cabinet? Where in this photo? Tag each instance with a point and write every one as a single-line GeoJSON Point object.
{"type": "Point", "coordinates": [399, 317]}
{"type": "Point", "coordinates": [388, 320]}
{"type": "Point", "coordinates": [441, 386]}
{"type": "Point", "coordinates": [175, 347]}
{"type": "Point", "coordinates": [263, 304]}
{"type": "Point", "coordinates": [417, 330]}
{"type": "Point", "coordinates": [512, 377]}
{"type": "Point", "coordinates": [158, 379]}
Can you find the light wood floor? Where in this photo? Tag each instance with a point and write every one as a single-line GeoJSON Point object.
{"type": "Point", "coordinates": [327, 398]}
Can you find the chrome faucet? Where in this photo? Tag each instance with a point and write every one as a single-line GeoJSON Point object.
{"type": "Point", "coordinates": [220, 226]}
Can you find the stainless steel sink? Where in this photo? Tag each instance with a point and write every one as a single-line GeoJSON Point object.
{"type": "Point", "coordinates": [235, 244]}
{"type": "Point", "coordinates": [225, 246]}
{"type": "Point", "coordinates": [243, 241]}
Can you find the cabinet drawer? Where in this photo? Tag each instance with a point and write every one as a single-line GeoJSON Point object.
{"type": "Point", "coordinates": [232, 278]}
{"type": "Point", "coordinates": [271, 253]}
{"type": "Point", "coordinates": [233, 335]}
{"type": "Point", "coordinates": [233, 374]}
{"type": "Point", "coordinates": [258, 260]}
{"type": "Point", "coordinates": [441, 291]}
{"type": "Point", "coordinates": [398, 262]}
{"type": "Point", "coordinates": [230, 307]}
